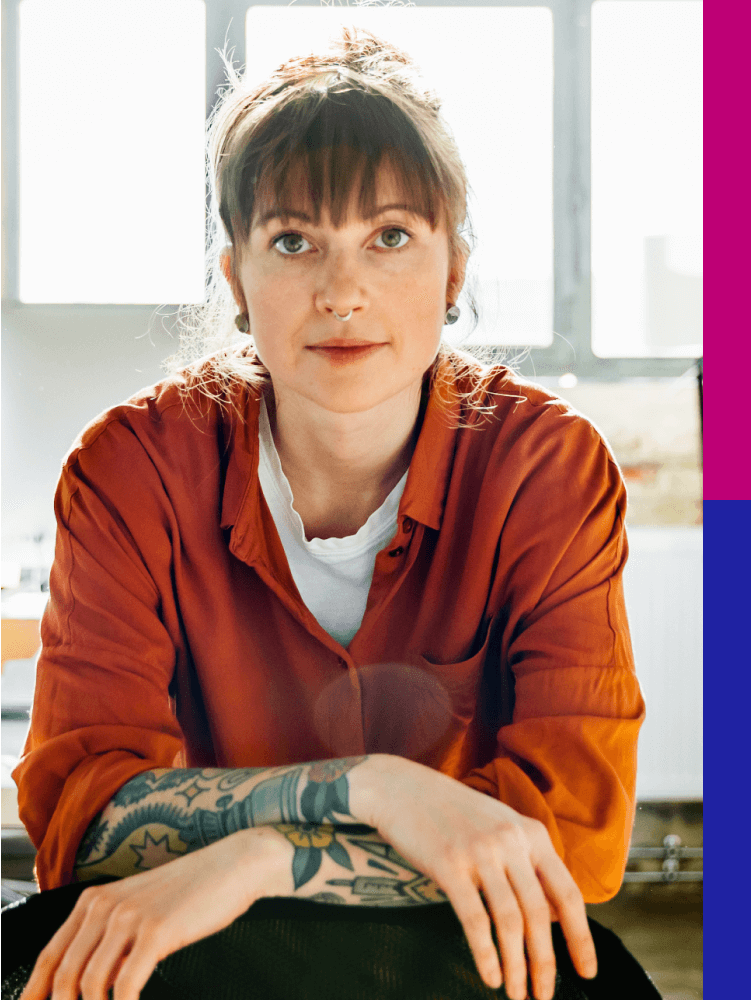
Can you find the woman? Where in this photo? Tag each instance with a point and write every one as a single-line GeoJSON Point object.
{"type": "Point", "coordinates": [338, 543]}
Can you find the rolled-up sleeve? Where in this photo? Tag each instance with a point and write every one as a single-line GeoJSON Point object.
{"type": "Point", "coordinates": [101, 710]}
{"type": "Point", "coordinates": [568, 755]}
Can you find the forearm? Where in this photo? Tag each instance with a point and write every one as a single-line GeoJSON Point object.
{"type": "Point", "coordinates": [160, 815]}
{"type": "Point", "coordinates": [347, 864]}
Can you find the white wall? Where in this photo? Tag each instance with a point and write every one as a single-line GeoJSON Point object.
{"type": "Point", "coordinates": [663, 585]}
{"type": "Point", "coordinates": [62, 365]}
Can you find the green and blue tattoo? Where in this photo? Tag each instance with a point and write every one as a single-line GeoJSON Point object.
{"type": "Point", "coordinates": [159, 816]}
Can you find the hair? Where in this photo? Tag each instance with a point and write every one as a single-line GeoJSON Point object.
{"type": "Point", "coordinates": [331, 120]}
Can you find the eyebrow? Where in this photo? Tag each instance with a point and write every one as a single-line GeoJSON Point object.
{"type": "Point", "coordinates": [276, 213]}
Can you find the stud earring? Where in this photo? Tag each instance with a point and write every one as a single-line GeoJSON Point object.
{"type": "Point", "coordinates": [241, 322]}
{"type": "Point", "coordinates": [452, 315]}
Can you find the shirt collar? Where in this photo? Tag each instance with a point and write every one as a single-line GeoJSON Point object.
{"type": "Point", "coordinates": [429, 471]}
{"type": "Point", "coordinates": [424, 495]}
{"type": "Point", "coordinates": [242, 466]}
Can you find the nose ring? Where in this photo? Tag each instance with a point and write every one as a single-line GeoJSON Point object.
{"type": "Point", "coordinates": [343, 319]}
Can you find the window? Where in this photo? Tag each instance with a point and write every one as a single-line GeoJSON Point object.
{"type": "Point", "coordinates": [646, 178]}
{"type": "Point", "coordinates": [111, 123]}
{"type": "Point", "coordinates": [104, 124]}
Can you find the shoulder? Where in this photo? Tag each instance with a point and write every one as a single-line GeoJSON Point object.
{"type": "Point", "coordinates": [504, 406]}
{"type": "Point", "coordinates": [175, 414]}
{"type": "Point", "coordinates": [517, 438]}
{"type": "Point", "coordinates": [170, 449]}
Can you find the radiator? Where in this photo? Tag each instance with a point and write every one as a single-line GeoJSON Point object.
{"type": "Point", "coordinates": [663, 586]}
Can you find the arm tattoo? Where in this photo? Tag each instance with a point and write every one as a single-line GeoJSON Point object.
{"type": "Point", "coordinates": [404, 885]}
{"type": "Point", "coordinates": [157, 816]}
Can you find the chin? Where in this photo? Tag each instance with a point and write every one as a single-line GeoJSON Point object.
{"type": "Point", "coordinates": [350, 402]}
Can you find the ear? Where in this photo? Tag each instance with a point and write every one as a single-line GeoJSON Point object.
{"type": "Point", "coordinates": [456, 277]}
{"type": "Point", "coordinates": [228, 270]}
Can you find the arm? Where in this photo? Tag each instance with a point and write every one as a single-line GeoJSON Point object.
{"type": "Point", "coordinates": [566, 756]}
{"type": "Point", "coordinates": [320, 862]}
{"type": "Point", "coordinates": [351, 865]}
{"type": "Point", "coordinates": [118, 932]}
{"type": "Point", "coordinates": [101, 711]}
{"type": "Point", "coordinates": [162, 814]}
{"type": "Point", "coordinates": [346, 865]}
{"type": "Point", "coordinates": [464, 842]}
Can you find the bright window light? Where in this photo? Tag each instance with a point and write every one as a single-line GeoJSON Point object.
{"type": "Point", "coordinates": [493, 68]}
{"type": "Point", "coordinates": [112, 109]}
{"type": "Point", "coordinates": [647, 178]}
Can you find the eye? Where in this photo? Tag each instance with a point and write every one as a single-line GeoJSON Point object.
{"type": "Point", "coordinates": [394, 238]}
{"type": "Point", "coordinates": [289, 244]}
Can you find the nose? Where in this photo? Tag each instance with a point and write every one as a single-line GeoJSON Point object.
{"type": "Point", "coordinates": [341, 289]}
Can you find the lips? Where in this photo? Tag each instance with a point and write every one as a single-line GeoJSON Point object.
{"type": "Point", "coordinates": [345, 342]}
{"type": "Point", "coordinates": [342, 351]}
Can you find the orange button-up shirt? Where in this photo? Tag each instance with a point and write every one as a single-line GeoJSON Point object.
{"type": "Point", "coordinates": [494, 645]}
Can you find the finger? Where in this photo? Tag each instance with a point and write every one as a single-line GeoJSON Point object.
{"type": "Point", "coordinates": [105, 962]}
{"type": "Point", "coordinates": [474, 918]}
{"type": "Point", "coordinates": [135, 970]}
{"type": "Point", "coordinates": [568, 903]}
{"type": "Point", "coordinates": [66, 981]}
{"type": "Point", "coordinates": [40, 982]}
{"type": "Point", "coordinates": [67, 977]}
{"type": "Point", "coordinates": [537, 931]}
{"type": "Point", "coordinates": [114, 972]}
{"type": "Point", "coordinates": [509, 925]}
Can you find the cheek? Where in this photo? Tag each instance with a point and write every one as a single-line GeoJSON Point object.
{"type": "Point", "coordinates": [423, 302]}
{"type": "Point", "coordinates": [274, 307]}
{"type": "Point", "coordinates": [271, 295]}
{"type": "Point", "coordinates": [425, 287]}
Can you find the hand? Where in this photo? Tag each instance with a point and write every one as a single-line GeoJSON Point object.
{"type": "Point", "coordinates": [486, 857]}
{"type": "Point", "coordinates": [118, 932]}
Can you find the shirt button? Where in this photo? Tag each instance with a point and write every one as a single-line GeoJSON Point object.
{"type": "Point", "coordinates": [408, 524]}
{"type": "Point", "coordinates": [396, 552]}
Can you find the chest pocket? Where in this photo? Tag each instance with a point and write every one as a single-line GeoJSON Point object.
{"type": "Point", "coordinates": [480, 688]}
{"type": "Point", "coordinates": [460, 681]}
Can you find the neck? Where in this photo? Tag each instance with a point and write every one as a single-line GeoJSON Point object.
{"type": "Point", "coordinates": [342, 466]}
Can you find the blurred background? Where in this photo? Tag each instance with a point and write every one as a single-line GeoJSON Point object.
{"type": "Point", "coordinates": [580, 126]}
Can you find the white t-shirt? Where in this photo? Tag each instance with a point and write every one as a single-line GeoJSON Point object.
{"type": "Point", "coordinates": [333, 575]}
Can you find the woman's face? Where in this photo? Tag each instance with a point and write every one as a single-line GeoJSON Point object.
{"type": "Point", "coordinates": [390, 271]}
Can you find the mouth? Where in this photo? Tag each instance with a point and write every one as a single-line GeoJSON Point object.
{"type": "Point", "coordinates": [346, 342]}
{"type": "Point", "coordinates": [340, 350]}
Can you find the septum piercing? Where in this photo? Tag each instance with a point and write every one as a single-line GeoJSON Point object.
{"type": "Point", "coordinates": [452, 315]}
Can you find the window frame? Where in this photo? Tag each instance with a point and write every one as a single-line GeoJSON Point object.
{"type": "Point", "coordinates": [571, 350]}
